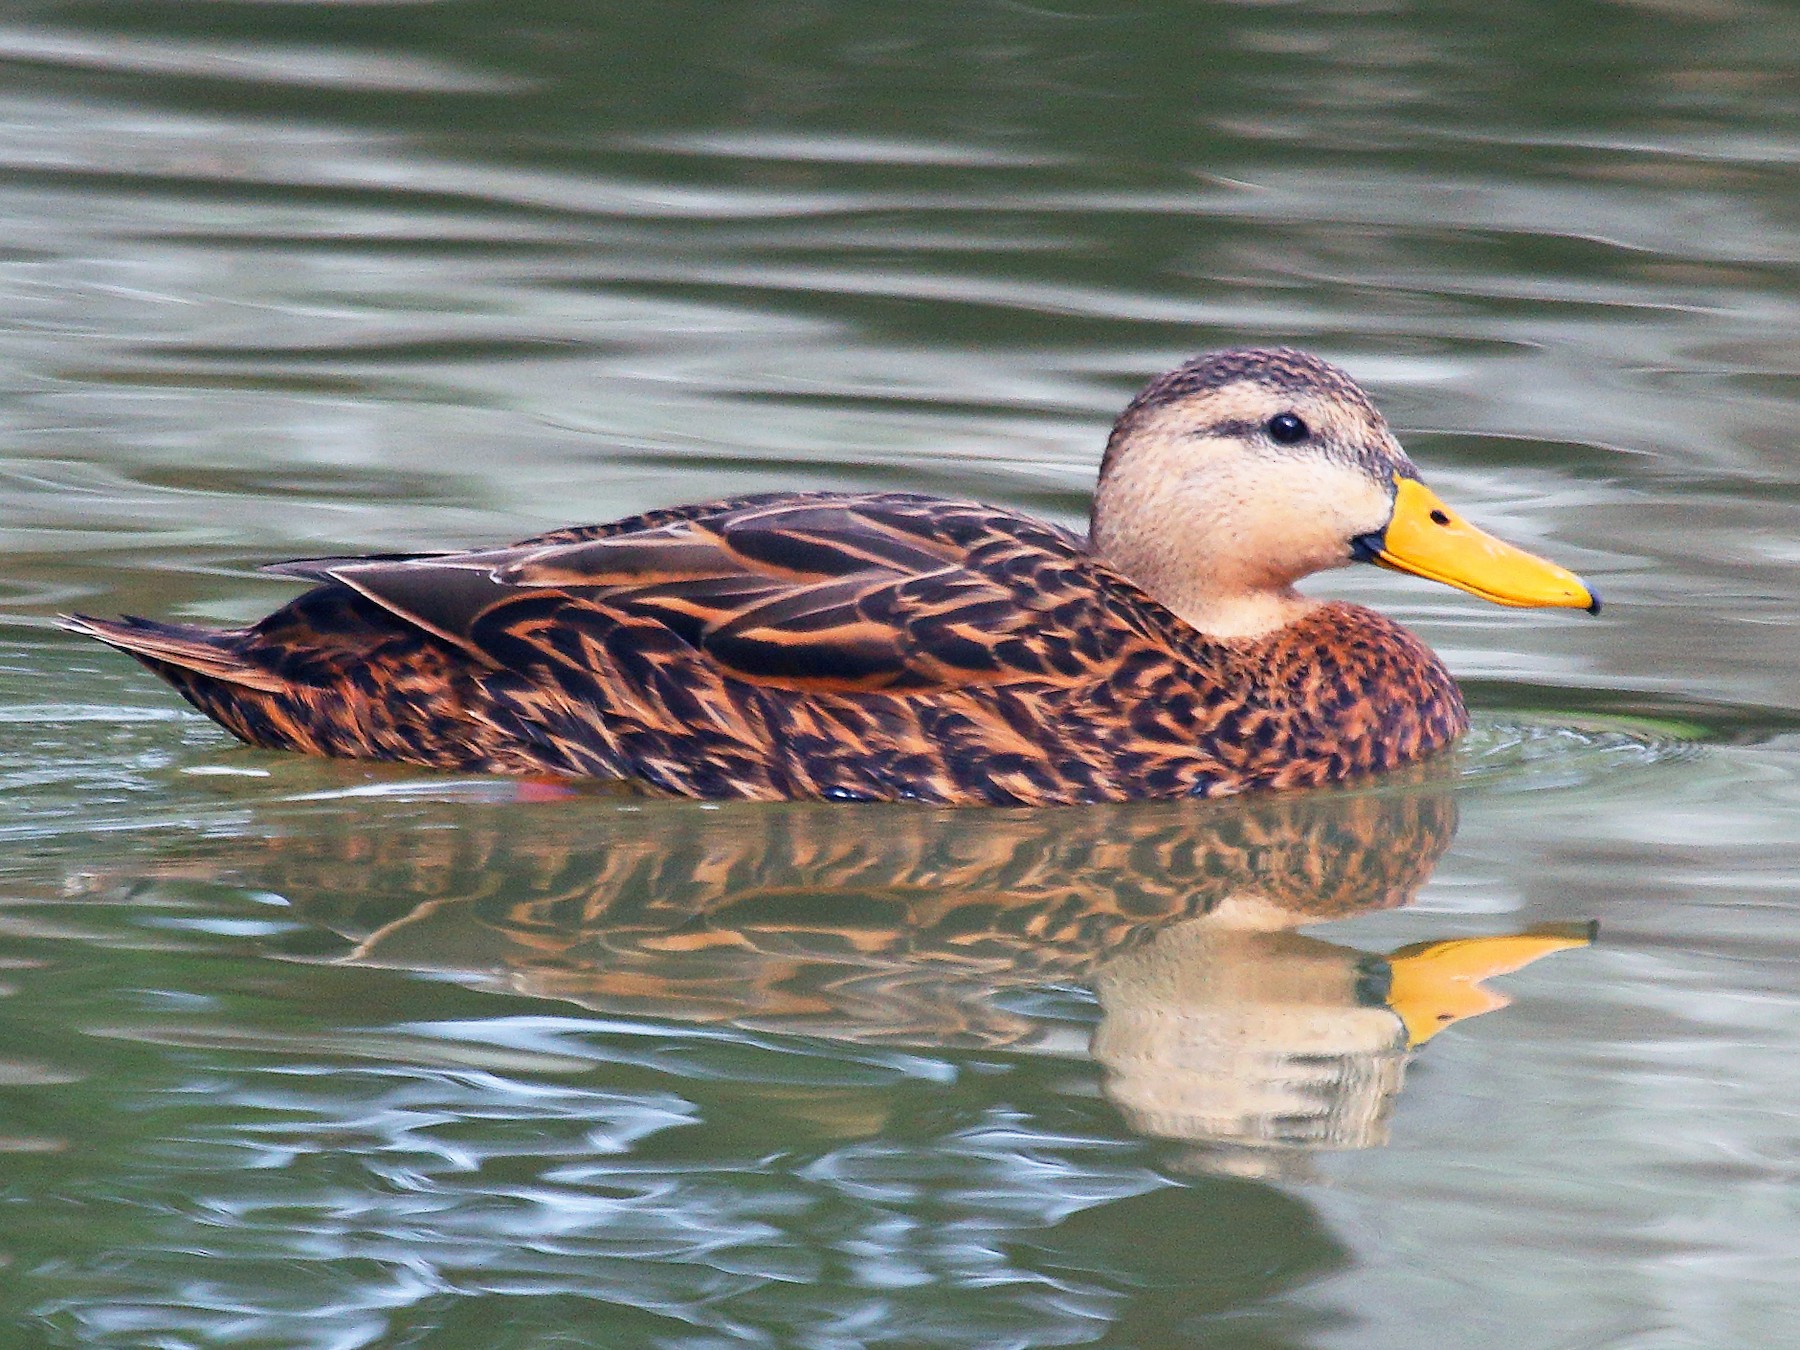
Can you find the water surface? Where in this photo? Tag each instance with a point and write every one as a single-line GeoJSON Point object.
{"type": "Point", "coordinates": [325, 1055]}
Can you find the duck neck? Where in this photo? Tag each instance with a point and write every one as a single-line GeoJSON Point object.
{"type": "Point", "coordinates": [1242, 618]}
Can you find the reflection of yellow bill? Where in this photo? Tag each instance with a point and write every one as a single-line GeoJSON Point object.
{"type": "Point", "coordinates": [1428, 539]}
{"type": "Point", "coordinates": [1437, 983]}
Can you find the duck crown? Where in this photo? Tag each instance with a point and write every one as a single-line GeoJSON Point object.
{"type": "Point", "coordinates": [1299, 378]}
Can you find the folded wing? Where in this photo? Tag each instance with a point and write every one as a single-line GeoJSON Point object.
{"type": "Point", "coordinates": [872, 592]}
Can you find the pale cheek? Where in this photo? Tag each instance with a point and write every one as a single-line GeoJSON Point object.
{"type": "Point", "coordinates": [1339, 513]}
{"type": "Point", "coordinates": [1220, 512]}
{"type": "Point", "coordinates": [1308, 531]}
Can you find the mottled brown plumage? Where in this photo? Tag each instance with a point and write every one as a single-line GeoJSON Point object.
{"type": "Point", "coordinates": [886, 646]}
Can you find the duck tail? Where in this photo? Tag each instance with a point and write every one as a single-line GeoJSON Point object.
{"type": "Point", "coordinates": [359, 691]}
{"type": "Point", "coordinates": [218, 670]}
{"type": "Point", "coordinates": [177, 649]}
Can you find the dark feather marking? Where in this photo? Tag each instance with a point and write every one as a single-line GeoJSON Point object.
{"type": "Point", "coordinates": [443, 598]}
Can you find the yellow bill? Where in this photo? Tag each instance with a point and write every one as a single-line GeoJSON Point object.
{"type": "Point", "coordinates": [1428, 539]}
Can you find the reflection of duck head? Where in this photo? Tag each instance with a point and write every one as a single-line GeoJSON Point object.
{"type": "Point", "coordinates": [911, 926]}
{"type": "Point", "coordinates": [1272, 1040]}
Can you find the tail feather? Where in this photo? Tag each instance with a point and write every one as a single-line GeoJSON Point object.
{"type": "Point", "coordinates": [332, 674]}
{"type": "Point", "coordinates": [203, 651]}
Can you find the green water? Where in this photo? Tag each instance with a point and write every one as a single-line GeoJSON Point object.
{"type": "Point", "coordinates": [309, 1055]}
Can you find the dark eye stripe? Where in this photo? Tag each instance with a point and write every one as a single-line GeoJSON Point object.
{"type": "Point", "coordinates": [1380, 465]}
{"type": "Point", "coordinates": [1247, 430]}
{"type": "Point", "coordinates": [1231, 427]}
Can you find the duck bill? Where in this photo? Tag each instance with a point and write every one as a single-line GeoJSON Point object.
{"type": "Point", "coordinates": [1427, 539]}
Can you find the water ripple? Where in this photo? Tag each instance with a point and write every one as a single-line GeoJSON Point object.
{"type": "Point", "coordinates": [315, 67]}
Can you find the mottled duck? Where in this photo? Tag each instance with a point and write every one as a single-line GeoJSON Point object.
{"type": "Point", "coordinates": [890, 646]}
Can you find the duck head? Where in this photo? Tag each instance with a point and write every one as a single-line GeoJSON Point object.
{"type": "Point", "coordinates": [1229, 479]}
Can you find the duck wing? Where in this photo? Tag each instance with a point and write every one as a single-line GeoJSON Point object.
{"type": "Point", "coordinates": [842, 593]}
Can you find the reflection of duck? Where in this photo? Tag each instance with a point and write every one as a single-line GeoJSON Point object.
{"type": "Point", "coordinates": [882, 645]}
{"type": "Point", "coordinates": [942, 929]}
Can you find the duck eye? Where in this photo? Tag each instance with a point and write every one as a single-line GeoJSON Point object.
{"type": "Point", "coordinates": [1286, 429]}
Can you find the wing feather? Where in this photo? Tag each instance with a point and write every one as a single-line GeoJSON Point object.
{"type": "Point", "coordinates": [852, 592]}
